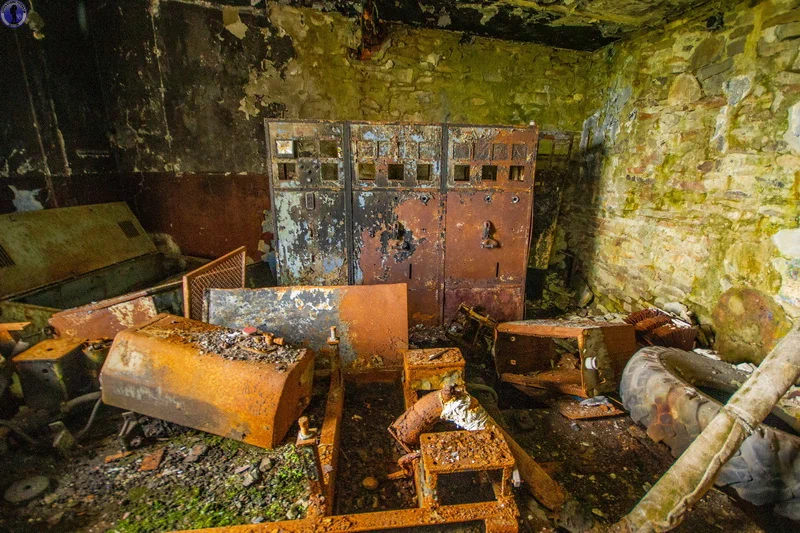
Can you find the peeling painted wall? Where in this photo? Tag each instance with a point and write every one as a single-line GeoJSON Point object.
{"type": "Point", "coordinates": [188, 84]}
{"type": "Point", "coordinates": [53, 144]}
{"type": "Point", "coordinates": [691, 185]}
{"type": "Point", "coordinates": [189, 94]}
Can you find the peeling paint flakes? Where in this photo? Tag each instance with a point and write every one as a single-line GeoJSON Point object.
{"type": "Point", "coordinates": [232, 22]}
{"type": "Point", "coordinates": [25, 200]}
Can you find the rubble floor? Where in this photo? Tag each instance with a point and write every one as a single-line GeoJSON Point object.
{"type": "Point", "coordinates": [606, 464]}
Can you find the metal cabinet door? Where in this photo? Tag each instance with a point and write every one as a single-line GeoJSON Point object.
{"type": "Point", "coordinates": [398, 212]}
{"type": "Point", "coordinates": [489, 209]}
{"type": "Point", "coordinates": [308, 174]}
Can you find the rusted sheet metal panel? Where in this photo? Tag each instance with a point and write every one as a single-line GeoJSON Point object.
{"type": "Point", "coordinates": [489, 209]}
{"type": "Point", "coordinates": [308, 176]}
{"type": "Point", "coordinates": [500, 517]}
{"type": "Point", "coordinates": [398, 212]}
{"type": "Point", "coordinates": [371, 320]}
{"type": "Point", "coordinates": [398, 239]}
{"type": "Point", "coordinates": [396, 156]}
{"type": "Point", "coordinates": [227, 272]}
{"type": "Point", "coordinates": [192, 373]}
{"type": "Point", "coordinates": [499, 303]}
{"type": "Point", "coordinates": [103, 320]}
{"type": "Point", "coordinates": [491, 157]}
{"type": "Point", "coordinates": [42, 247]}
{"type": "Point", "coordinates": [306, 154]}
{"type": "Point", "coordinates": [312, 238]}
{"type": "Point", "coordinates": [469, 260]}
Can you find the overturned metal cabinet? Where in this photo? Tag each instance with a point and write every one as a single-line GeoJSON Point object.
{"type": "Point", "coordinates": [192, 373]}
{"type": "Point", "coordinates": [307, 169]}
{"type": "Point", "coordinates": [489, 207]}
{"type": "Point", "coordinates": [398, 212]}
{"type": "Point", "coordinates": [58, 259]}
{"type": "Point", "coordinates": [525, 355]}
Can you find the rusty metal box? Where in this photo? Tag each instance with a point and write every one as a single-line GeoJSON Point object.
{"type": "Point", "coordinates": [423, 373]}
{"type": "Point", "coordinates": [209, 378]}
{"type": "Point", "coordinates": [52, 372]}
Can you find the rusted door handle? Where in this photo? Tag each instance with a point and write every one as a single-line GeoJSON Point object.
{"type": "Point", "coordinates": [487, 241]}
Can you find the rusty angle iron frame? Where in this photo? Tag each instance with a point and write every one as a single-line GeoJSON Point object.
{"type": "Point", "coordinates": [500, 516]}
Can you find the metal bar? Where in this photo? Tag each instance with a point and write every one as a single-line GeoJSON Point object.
{"type": "Point", "coordinates": [348, 202]}
{"type": "Point", "coordinates": [330, 433]}
{"type": "Point", "coordinates": [493, 513]}
{"type": "Point", "coordinates": [271, 188]}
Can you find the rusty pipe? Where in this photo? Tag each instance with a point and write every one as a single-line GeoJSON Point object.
{"type": "Point", "coordinates": [420, 418]}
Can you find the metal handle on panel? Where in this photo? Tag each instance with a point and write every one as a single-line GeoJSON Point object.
{"type": "Point", "coordinates": [487, 241]}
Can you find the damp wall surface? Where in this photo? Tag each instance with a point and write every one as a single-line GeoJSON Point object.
{"type": "Point", "coordinates": [690, 186]}
{"type": "Point", "coordinates": [180, 88]}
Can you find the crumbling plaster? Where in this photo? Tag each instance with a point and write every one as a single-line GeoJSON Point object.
{"type": "Point", "coordinates": [691, 181]}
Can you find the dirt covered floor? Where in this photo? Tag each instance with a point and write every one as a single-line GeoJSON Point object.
{"type": "Point", "coordinates": [201, 480]}
{"type": "Point", "coordinates": [198, 480]}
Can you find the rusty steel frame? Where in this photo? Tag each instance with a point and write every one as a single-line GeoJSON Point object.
{"type": "Point", "coordinates": [159, 370]}
{"type": "Point", "coordinates": [226, 272]}
{"type": "Point", "coordinates": [500, 516]}
{"type": "Point", "coordinates": [451, 452]}
{"type": "Point", "coordinates": [394, 224]}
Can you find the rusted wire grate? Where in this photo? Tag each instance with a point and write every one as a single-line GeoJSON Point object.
{"type": "Point", "coordinates": [227, 272]}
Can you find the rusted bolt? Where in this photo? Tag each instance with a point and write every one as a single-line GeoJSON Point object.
{"type": "Point", "coordinates": [268, 338]}
{"type": "Point", "coordinates": [515, 199]}
{"type": "Point", "coordinates": [306, 432]}
{"type": "Point", "coordinates": [488, 199]}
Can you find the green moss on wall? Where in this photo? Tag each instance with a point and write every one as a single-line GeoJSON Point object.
{"type": "Point", "coordinates": [697, 163]}
{"type": "Point", "coordinates": [418, 75]}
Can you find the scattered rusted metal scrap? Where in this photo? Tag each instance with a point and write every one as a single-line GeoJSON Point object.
{"type": "Point", "coordinates": [525, 355]}
{"type": "Point", "coordinates": [53, 372]}
{"type": "Point", "coordinates": [210, 378]}
{"type": "Point", "coordinates": [471, 326]}
{"type": "Point", "coordinates": [654, 327]}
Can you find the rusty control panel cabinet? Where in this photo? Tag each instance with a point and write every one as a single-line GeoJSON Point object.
{"type": "Point", "coordinates": [445, 209]}
{"type": "Point", "coordinates": [307, 169]}
{"type": "Point", "coordinates": [398, 212]}
{"type": "Point", "coordinates": [490, 174]}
